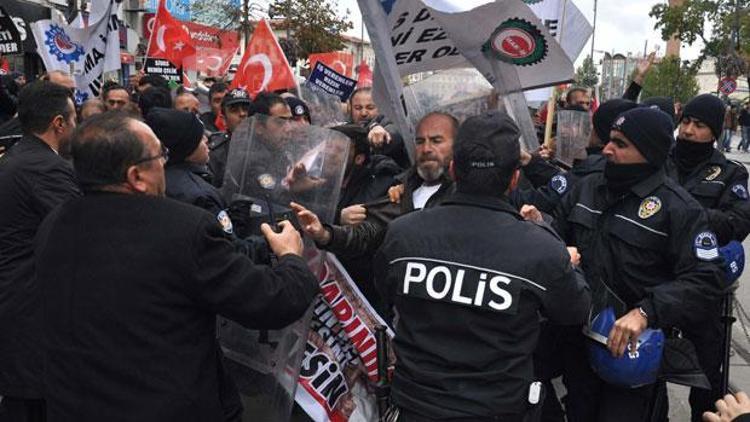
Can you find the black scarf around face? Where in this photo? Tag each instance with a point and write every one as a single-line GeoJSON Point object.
{"type": "Point", "coordinates": [621, 177]}
{"type": "Point", "coordinates": [688, 155]}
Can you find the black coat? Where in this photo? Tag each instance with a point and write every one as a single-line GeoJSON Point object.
{"type": "Point", "coordinates": [131, 286]}
{"type": "Point", "coordinates": [468, 293]}
{"type": "Point", "coordinates": [189, 183]}
{"type": "Point", "coordinates": [33, 181]}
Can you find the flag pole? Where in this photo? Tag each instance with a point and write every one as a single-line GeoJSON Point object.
{"type": "Point", "coordinates": [553, 96]}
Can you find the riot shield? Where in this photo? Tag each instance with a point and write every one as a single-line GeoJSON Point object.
{"type": "Point", "coordinates": [271, 162]}
{"type": "Point", "coordinates": [572, 137]}
{"type": "Point", "coordinates": [325, 109]}
{"type": "Point", "coordinates": [460, 92]}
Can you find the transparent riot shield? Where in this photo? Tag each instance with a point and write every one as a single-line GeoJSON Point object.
{"type": "Point", "coordinates": [572, 137]}
{"type": "Point", "coordinates": [271, 162]}
{"type": "Point", "coordinates": [460, 92]}
{"type": "Point", "coordinates": [326, 110]}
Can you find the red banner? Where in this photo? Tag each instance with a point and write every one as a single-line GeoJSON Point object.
{"type": "Point", "coordinates": [340, 61]}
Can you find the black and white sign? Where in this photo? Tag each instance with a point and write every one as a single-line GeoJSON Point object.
{"type": "Point", "coordinates": [10, 37]}
{"type": "Point", "coordinates": [164, 69]}
{"type": "Point", "coordinates": [332, 82]}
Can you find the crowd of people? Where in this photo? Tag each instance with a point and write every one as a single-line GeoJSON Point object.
{"type": "Point", "coordinates": [494, 265]}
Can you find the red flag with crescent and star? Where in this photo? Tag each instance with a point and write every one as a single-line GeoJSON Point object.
{"type": "Point", "coordinates": [340, 61]}
{"type": "Point", "coordinates": [264, 66]}
{"type": "Point", "coordinates": [170, 39]}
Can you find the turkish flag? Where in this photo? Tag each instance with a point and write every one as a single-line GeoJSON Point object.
{"type": "Point", "coordinates": [263, 66]}
{"type": "Point", "coordinates": [211, 61]}
{"type": "Point", "coordinates": [4, 66]}
{"type": "Point", "coordinates": [340, 61]}
{"type": "Point", "coordinates": [365, 75]}
{"type": "Point", "coordinates": [170, 39]}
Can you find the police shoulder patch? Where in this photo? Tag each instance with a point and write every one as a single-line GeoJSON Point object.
{"type": "Point", "coordinates": [225, 221]}
{"type": "Point", "coordinates": [649, 207]}
{"type": "Point", "coordinates": [740, 191]}
{"type": "Point", "coordinates": [706, 246]}
{"type": "Point", "coordinates": [713, 172]}
{"type": "Point", "coordinates": [266, 181]}
{"type": "Point", "coordinates": [559, 183]}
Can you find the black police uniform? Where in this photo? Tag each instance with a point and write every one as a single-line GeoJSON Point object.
{"type": "Point", "coordinates": [467, 304]}
{"type": "Point", "coordinates": [218, 147]}
{"type": "Point", "coordinates": [652, 247]}
{"type": "Point", "coordinates": [720, 186]}
{"type": "Point", "coordinates": [188, 182]}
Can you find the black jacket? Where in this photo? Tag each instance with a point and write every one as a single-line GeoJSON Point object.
{"type": "Point", "coordinates": [365, 238]}
{"type": "Point", "coordinates": [209, 121]}
{"type": "Point", "coordinates": [651, 246]}
{"type": "Point", "coordinates": [720, 186]}
{"type": "Point", "coordinates": [369, 183]}
{"type": "Point", "coordinates": [744, 119]}
{"type": "Point", "coordinates": [33, 181]}
{"type": "Point", "coordinates": [467, 292]}
{"type": "Point", "coordinates": [131, 286]}
{"type": "Point", "coordinates": [189, 182]}
{"type": "Point", "coordinates": [218, 145]}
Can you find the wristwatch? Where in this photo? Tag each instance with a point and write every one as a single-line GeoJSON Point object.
{"type": "Point", "coordinates": [643, 313]}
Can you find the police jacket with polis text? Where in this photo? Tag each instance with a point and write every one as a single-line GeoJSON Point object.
{"type": "Point", "coordinates": [651, 246]}
{"type": "Point", "coordinates": [720, 185]}
{"type": "Point", "coordinates": [468, 292]}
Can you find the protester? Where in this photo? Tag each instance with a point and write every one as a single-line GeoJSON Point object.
{"type": "Point", "coordinates": [732, 408]}
{"type": "Point", "coordinates": [383, 136]}
{"type": "Point", "coordinates": [578, 97]}
{"type": "Point", "coordinates": [34, 179]}
{"type": "Point", "coordinates": [186, 101]}
{"type": "Point", "coordinates": [151, 81]}
{"type": "Point", "coordinates": [216, 94]}
{"type": "Point", "coordinates": [159, 270]}
{"type": "Point", "coordinates": [90, 108]}
{"type": "Point", "coordinates": [154, 97]}
{"type": "Point", "coordinates": [115, 97]}
{"type": "Point", "coordinates": [744, 122]}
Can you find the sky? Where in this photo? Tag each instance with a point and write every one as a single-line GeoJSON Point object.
{"type": "Point", "coordinates": [621, 26]}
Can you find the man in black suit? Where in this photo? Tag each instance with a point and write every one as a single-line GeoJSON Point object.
{"type": "Point", "coordinates": [34, 179]}
{"type": "Point", "coordinates": [131, 283]}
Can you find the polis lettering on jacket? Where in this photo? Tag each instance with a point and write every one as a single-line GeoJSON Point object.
{"type": "Point", "coordinates": [460, 284]}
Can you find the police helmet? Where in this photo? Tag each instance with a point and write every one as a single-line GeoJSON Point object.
{"type": "Point", "coordinates": [633, 369]}
{"type": "Point", "coordinates": [734, 260]}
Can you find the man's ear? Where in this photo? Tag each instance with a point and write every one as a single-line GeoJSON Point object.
{"type": "Point", "coordinates": [134, 180]}
{"type": "Point", "coordinates": [58, 123]}
{"type": "Point", "coordinates": [514, 180]}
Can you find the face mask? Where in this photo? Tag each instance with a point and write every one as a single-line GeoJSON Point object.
{"type": "Point", "coordinates": [621, 177]}
{"type": "Point", "coordinates": [689, 155]}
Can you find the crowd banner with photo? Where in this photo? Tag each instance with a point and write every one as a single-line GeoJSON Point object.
{"type": "Point", "coordinates": [340, 364]}
{"type": "Point", "coordinates": [87, 52]}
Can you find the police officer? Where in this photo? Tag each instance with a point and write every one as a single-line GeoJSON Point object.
{"type": "Point", "coordinates": [467, 301]}
{"type": "Point", "coordinates": [186, 171]}
{"type": "Point", "coordinates": [646, 242]}
{"type": "Point", "coordinates": [235, 107]}
{"type": "Point", "coordinates": [720, 186]}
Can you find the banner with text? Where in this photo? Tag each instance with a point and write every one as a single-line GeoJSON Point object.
{"type": "Point", "coordinates": [332, 82]}
{"type": "Point", "coordinates": [340, 362]}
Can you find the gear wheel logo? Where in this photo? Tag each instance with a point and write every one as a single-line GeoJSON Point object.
{"type": "Point", "coordinates": [518, 42]}
{"type": "Point", "coordinates": [61, 46]}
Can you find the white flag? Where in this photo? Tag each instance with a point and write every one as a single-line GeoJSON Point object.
{"type": "Point", "coordinates": [85, 52]}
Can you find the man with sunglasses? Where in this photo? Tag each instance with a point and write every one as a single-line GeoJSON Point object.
{"type": "Point", "coordinates": [34, 179]}
{"type": "Point", "coordinates": [131, 284]}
